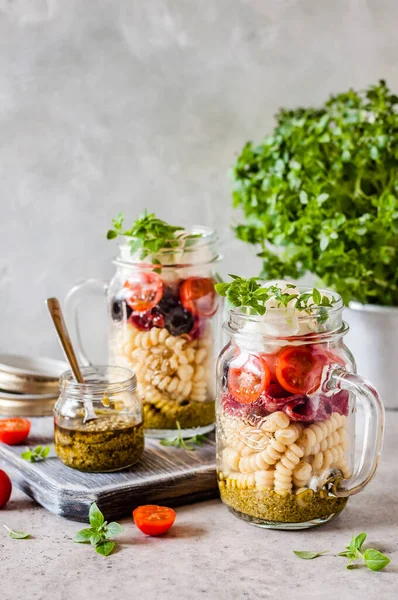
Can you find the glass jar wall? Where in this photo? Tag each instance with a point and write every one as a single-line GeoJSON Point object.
{"type": "Point", "coordinates": [286, 403]}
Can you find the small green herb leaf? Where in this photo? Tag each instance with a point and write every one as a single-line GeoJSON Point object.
{"type": "Point", "coordinates": [307, 555]}
{"type": "Point", "coordinates": [180, 442]}
{"type": "Point", "coordinates": [113, 529]}
{"type": "Point", "coordinates": [83, 536]}
{"type": "Point", "coordinates": [17, 535]}
{"type": "Point", "coordinates": [375, 560]}
{"type": "Point", "coordinates": [36, 454]}
{"type": "Point", "coordinates": [357, 542]}
{"type": "Point", "coordinates": [95, 516]}
{"type": "Point", "coordinates": [105, 548]}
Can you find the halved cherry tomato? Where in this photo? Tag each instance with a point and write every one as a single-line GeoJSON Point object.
{"type": "Point", "coordinates": [248, 377]}
{"type": "Point", "coordinates": [199, 296]}
{"type": "Point", "coordinates": [143, 291]}
{"type": "Point", "coordinates": [299, 370]}
{"type": "Point", "coordinates": [14, 431]}
{"type": "Point", "coordinates": [154, 520]}
{"type": "Point", "coordinates": [5, 488]}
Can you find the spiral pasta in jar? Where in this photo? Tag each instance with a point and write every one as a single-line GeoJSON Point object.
{"type": "Point", "coordinates": [285, 405]}
{"type": "Point", "coordinates": [164, 326]}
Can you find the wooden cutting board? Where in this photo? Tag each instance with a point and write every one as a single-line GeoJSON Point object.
{"type": "Point", "coordinates": [163, 475]}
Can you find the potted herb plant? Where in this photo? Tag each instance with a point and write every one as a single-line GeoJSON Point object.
{"type": "Point", "coordinates": [320, 196]}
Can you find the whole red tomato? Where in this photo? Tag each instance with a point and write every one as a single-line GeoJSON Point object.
{"type": "Point", "coordinates": [5, 488]}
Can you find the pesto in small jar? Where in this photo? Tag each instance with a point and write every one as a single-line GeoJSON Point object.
{"type": "Point", "coordinates": [112, 441]}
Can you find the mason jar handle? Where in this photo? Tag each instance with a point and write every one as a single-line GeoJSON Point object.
{"type": "Point", "coordinates": [90, 287]}
{"type": "Point", "coordinates": [367, 398]}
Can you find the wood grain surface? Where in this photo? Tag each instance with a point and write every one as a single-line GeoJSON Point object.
{"type": "Point", "coordinates": [163, 475]}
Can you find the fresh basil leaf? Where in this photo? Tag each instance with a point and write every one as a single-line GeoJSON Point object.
{"type": "Point", "coordinates": [105, 548]}
{"type": "Point", "coordinates": [358, 541]}
{"type": "Point", "coordinates": [307, 555]}
{"type": "Point", "coordinates": [96, 517]}
{"type": "Point", "coordinates": [113, 529]}
{"type": "Point", "coordinates": [45, 452]}
{"type": "Point", "coordinates": [375, 560]}
{"type": "Point", "coordinates": [83, 536]}
{"type": "Point", "coordinates": [96, 537]}
{"type": "Point", "coordinates": [17, 535]}
{"type": "Point", "coordinates": [347, 554]}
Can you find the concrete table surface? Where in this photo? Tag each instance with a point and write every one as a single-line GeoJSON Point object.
{"type": "Point", "coordinates": [208, 553]}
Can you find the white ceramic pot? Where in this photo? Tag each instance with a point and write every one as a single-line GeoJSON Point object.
{"type": "Point", "coordinates": [373, 340]}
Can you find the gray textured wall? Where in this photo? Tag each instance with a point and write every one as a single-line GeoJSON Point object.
{"type": "Point", "coordinates": [109, 105]}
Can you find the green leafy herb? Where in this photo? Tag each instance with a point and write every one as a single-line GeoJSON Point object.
{"type": "Point", "coordinates": [149, 235]}
{"type": "Point", "coordinates": [373, 559]}
{"type": "Point", "coordinates": [99, 532]}
{"type": "Point", "coordinates": [251, 293]}
{"type": "Point", "coordinates": [36, 454]}
{"type": "Point", "coordinates": [320, 195]}
{"type": "Point", "coordinates": [17, 535]}
{"type": "Point", "coordinates": [308, 555]}
{"type": "Point", "coordinates": [179, 442]}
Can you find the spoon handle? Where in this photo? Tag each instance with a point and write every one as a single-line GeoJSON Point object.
{"type": "Point", "coordinates": [55, 311]}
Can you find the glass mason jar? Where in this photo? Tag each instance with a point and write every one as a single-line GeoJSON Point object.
{"type": "Point", "coordinates": [287, 400]}
{"type": "Point", "coordinates": [114, 438]}
{"type": "Point", "coordinates": [164, 325]}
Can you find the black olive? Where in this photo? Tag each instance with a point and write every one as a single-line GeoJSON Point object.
{"type": "Point", "coordinates": [119, 309]}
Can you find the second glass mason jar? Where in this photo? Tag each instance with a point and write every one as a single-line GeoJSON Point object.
{"type": "Point", "coordinates": [98, 424]}
{"type": "Point", "coordinates": [164, 325]}
{"type": "Point", "coordinates": [286, 417]}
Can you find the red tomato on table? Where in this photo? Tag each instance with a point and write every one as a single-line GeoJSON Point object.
{"type": "Point", "coordinates": [199, 296]}
{"type": "Point", "coordinates": [5, 488]}
{"type": "Point", "coordinates": [14, 431]}
{"type": "Point", "coordinates": [143, 291]}
{"type": "Point", "coordinates": [154, 520]}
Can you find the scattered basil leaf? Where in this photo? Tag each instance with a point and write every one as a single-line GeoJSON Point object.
{"type": "Point", "coordinates": [83, 536]}
{"type": "Point", "coordinates": [307, 555]}
{"type": "Point", "coordinates": [375, 560]}
{"type": "Point", "coordinates": [95, 516]}
{"type": "Point", "coordinates": [99, 533]}
{"type": "Point", "coordinates": [36, 454]}
{"type": "Point", "coordinates": [372, 558]}
{"type": "Point", "coordinates": [17, 535]}
{"type": "Point", "coordinates": [180, 442]}
{"type": "Point", "coordinates": [105, 548]}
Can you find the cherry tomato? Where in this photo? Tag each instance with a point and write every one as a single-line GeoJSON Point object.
{"type": "Point", "coordinates": [143, 291]}
{"type": "Point", "coordinates": [248, 377]}
{"type": "Point", "coordinates": [154, 520]}
{"type": "Point", "coordinates": [5, 488]}
{"type": "Point", "coordinates": [299, 370]}
{"type": "Point", "coordinates": [14, 431]}
{"type": "Point", "coordinates": [199, 296]}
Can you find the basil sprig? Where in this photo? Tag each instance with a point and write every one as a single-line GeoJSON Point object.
{"type": "Point", "coordinates": [36, 454]}
{"type": "Point", "coordinates": [179, 441]}
{"type": "Point", "coordinates": [99, 533]}
{"type": "Point", "coordinates": [251, 293]}
{"type": "Point", "coordinates": [373, 559]}
{"type": "Point", "coordinates": [149, 235]}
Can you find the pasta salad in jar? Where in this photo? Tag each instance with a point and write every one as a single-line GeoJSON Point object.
{"type": "Point", "coordinates": [164, 321]}
{"type": "Point", "coordinates": [287, 394]}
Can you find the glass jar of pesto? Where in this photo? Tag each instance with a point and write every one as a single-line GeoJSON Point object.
{"type": "Point", "coordinates": [287, 402]}
{"type": "Point", "coordinates": [164, 321]}
{"type": "Point", "coordinates": [98, 425]}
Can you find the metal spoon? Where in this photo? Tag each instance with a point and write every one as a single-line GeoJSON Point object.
{"type": "Point", "coordinates": [55, 311]}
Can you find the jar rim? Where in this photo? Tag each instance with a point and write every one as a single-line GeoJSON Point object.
{"type": "Point", "coordinates": [103, 373]}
